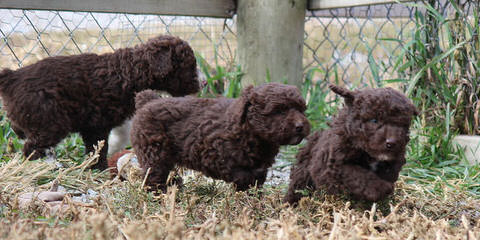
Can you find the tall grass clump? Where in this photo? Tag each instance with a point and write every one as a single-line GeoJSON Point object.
{"type": "Point", "coordinates": [220, 80]}
{"type": "Point", "coordinates": [321, 105]}
{"type": "Point", "coordinates": [440, 69]}
{"type": "Point", "coordinates": [445, 55]}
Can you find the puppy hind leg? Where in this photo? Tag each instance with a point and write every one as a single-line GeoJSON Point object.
{"type": "Point", "coordinates": [39, 142]}
{"type": "Point", "coordinates": [32, 150]}
{"type": "Point", "coordinates": [18, 131]}
{"type": "Point", "coordinates": [260, 175]}
{"type": "Point", "coordinates": [90, 139]}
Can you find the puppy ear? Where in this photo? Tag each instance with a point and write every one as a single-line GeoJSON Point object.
{"type": "Point", "coordinates": [237, 112]}
{"type": "Point", "coordinates": [159, 52]}
{"type": "Point", "coordinates": [161, 62]}
{"type": "Point", "coordinates": [348, 95]}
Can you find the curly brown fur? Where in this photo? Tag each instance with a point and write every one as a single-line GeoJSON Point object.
{"type": "Point", "coordinates": [235, 140]}
{"type": "Point", "coordinates": [90, 93]}
{"type": "Point", "coordinates": [363, 151]}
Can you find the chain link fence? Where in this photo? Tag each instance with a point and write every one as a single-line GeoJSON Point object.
{"type": "Point", "coordinates": [361, 45]}
{"type": "Point", "coordinates": [346, 44]}
{"type": "Point", "coordinates": [28, 36]}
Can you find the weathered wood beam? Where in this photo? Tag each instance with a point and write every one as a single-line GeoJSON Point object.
{"type": "Point", "coordinates": [328, 4]}
{"type": "Point", "coordinates": [207, 8]}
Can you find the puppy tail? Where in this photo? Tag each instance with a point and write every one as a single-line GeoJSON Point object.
{"type": "Point", "coordinates": [144, 97]}
{"type": "Point", "coordinates": [5, 78]}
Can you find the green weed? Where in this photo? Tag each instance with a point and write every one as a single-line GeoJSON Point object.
{"type": "Point", "coordinates": [9, 141]}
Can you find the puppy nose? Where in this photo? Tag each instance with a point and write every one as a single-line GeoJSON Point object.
{"type": "Point", "coordinates": [299, 127]}
{"type": "Point", "coordinates": [390, 143]}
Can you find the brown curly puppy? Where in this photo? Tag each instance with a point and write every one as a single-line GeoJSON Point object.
{"type": "Point", "coordinates": [235, 140]}
{"type": "Point", "coordinates": [90, 93]}
{"type": "Point", "coordinates": [363, 151]}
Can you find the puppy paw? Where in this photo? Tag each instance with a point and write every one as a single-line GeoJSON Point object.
{"type": "Point", "coordinates": [378, 190]}
{"type": "Point", "coordinates": [244, 179]}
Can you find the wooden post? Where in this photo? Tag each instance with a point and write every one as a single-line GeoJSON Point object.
{"type": "Point", "coordinates": [270, 39]}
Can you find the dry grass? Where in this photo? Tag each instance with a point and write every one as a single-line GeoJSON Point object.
{"type": "Point", "coordinates": [206, 209]}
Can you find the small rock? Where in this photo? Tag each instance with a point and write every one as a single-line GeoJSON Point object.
{"type": "Point", "coordinates": [129, 168]}
{"type": "Point", "coordinates": [46, 196]}
{"type": "Point", "coordinates": [51, 202]}
{"type": "Point", "coordinates": [92, 193]}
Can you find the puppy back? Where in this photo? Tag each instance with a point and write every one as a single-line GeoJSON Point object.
{"type": "Point", "coordinates": [144, 97]}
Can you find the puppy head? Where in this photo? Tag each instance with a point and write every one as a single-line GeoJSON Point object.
{"type": "Point", "coordinates": [172, 65]}
{"type": "Point", "coordinates": [376, 121]}
{"type": "Point", "coordinates": [273, 112]}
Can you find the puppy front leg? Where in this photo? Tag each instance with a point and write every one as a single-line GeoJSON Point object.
{"type": "Point", "coordinates": [244, 178]}
{"type": "Point", "coordinates": [152, 156]}
{"type": "Point", "coordinates": [299, 180]}
{"type": "Point", "coordinates": [389, 171]}
{"type": "Point", "coordinates": [364, 184]}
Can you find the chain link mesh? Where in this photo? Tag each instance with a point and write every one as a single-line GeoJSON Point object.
{"type": "Point", "coordinates": [361, 45]}
{"type": "Point", "coordinates": [346, 44]}
{"type": "Point", "coordinates": [28, 36]}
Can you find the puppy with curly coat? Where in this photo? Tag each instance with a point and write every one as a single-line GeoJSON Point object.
{"type": "Point", "coordinates": [235, 140]}
{"type": "Point", "coordinates": [363, 151]}
{"type": "Point", "coordinates": [90, 93]}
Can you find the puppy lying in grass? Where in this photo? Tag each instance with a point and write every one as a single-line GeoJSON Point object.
{"type": "Point", "coordinates": [363, 151]}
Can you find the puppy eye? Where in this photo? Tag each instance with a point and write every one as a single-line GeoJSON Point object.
{"type": "Point", "coordinates": [373, 120]}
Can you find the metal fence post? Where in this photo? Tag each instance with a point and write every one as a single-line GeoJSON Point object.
{"type": "Point", "coordinates": [270, 40]}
